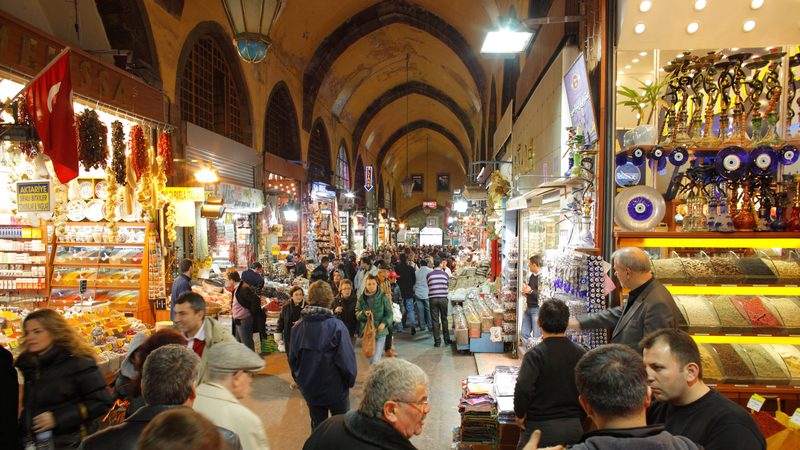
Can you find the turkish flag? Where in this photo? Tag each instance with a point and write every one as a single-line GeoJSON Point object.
{"type": "Point", "coordinates": [49, 102]}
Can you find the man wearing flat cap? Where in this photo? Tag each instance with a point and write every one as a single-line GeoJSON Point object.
{"type": "Point", "coordinates": [231, 368]}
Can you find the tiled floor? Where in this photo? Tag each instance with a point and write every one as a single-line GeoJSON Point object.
{"type": "Point", "coordinates": [285, 414]}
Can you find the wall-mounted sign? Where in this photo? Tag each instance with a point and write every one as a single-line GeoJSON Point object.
{"type": "Point", "coordinates": [579, 99]}
{"type": "Point", "coordinates": [34, 196]}
{"type": "Point", "coordinates": [185, 194]}
{"type": "Point", "coordinates": [431, 204]}
{"type": "Point", "coordinates": [369, 178]}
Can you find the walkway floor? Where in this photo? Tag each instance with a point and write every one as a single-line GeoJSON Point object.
{"type": "Point", "coordinates": [285, 414]}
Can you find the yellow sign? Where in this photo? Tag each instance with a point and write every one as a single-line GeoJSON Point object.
{"type": "Point", "coordinates": [185, 194]}
{"type": "Point", "coordinates": [276, 250]}
{"type": "Point", "coordinates": [34, 196]}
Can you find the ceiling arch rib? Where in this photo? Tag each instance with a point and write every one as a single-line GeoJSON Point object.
{"type": "Point", "coordinates": [369, 20]}
{"type": "Point", "coordinates": [417, 125]}
{"type": "Point", "coordinates": [400, 91]}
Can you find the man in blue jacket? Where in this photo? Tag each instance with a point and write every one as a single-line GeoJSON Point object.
{"type": "Point", "coordinates": [182, 283]}
{"type": "Point", "coordinates": [321, 356]}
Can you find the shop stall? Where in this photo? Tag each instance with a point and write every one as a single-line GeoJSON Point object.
{"type": "Point", "coordinates": [282, 214]}
{"type": "Point", "coordinates": [321, 216]}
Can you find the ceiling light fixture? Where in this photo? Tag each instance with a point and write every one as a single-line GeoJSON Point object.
{"type": "Point", "coordinates": [645, 6]}
{"type": "Point", "coordinates": [692, 28]}
{"type": "Point", "coordinates": [749, 25]}
{"type": "Point", "coordinates": [628, 66]}
{"type": "Point", "coordinates": [700, 5]}
{"type": "Point", "coordinates": [755, 4]}
{"type": "Point", "coordinates": [407, 185]}
{"type": "Point", "coordinates": [639, 28]}
{"type": "Point", "coordinates": [635, 60]}
{"type": "Point", "coordinates": [642, 53]}
{"type": "Point", "coordinates": [251, 21]}
{"type": "Point", "coordinates": [511, 37]}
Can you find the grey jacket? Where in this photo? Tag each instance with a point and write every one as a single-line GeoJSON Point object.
{"type": "Point", "coordinates": [653, 310]}
{"type": "Point", "coordinates": [643, 438]}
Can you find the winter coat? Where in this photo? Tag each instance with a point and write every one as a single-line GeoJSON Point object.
{"type": "Point", "coordinates": [214, 335]}
{"type": "Point", "coordinates": [126, 435]}
{"type": "Point", "coordinates": [381, 313]}
{"type": "Point", "coordinates": [70, 387]}
{"type": "Point", "coordinates": [322, 358]}
{"type": "Point", "coordinates": [355, 431]}
{"type": "Point", "coordinates": [290, 313]}
{"type": "Point", "coordinates": [224, 410]}
{"type": "Point", "coordinates": [9, 401]}
{"type": "Point", "coordinates": [319, 273]}
{"type": "Point", "coordinates": [406, 280]}
{"type": "Point", "coordinates": [249, 299]}
{"type": "Point", "coordinates": [348, 314]}
{"type": "Point", "coordinates": [642, 438]}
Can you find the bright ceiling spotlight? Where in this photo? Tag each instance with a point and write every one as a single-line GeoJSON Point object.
{"type": "Point", "coordinates": [639, 28]}
{"type": "Point", "coordinates": [755, 4]}
{"type": "Point", "coordinates": [700, 5]}
{"type": "Point", "coordinates": [692, 28]}
{"type": "Point", "coordinates": [642, 53]}
{"type": "Point", "coordinates": [749, 25]}
{"type": "Point", "coordinates": [635, 60]}
{"type": "Point", "coordinates": [645, 6]}
{"type": "Point", "coordinates": [506, 40]}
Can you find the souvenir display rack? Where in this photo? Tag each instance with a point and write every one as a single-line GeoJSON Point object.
{"type": "Point", "coordinates": [739, 298]}
{"type": "Point", "coordinates": [115, 272]}
{"type": "Point", "coordinates": [23, 266]}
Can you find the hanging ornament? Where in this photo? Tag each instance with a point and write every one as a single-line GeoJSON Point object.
{"type": "Point", "coordinates": [732, 163]}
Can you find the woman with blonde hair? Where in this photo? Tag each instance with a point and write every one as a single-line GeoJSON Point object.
{"type": "Point", "coordinates": [64, 390]}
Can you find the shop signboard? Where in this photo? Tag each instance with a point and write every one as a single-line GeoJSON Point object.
{"type": "Point", "coordinates": [241, 198]}
{"type": "Point", "coordinates": [579, 99]}
{"type": "Point", "coordinates": [430, 204]}
{"type": "Point", "coordinates": [369, 178]}
{"type": "Point", "coordinates": [34, 196]}
{"type": "Point", "coordinates": [185, 194]}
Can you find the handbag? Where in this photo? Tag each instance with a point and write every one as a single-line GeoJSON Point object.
{"type": "Point", "coordinates": [368, 339]}
{"type": "Point", "coordinates": [397, 313]}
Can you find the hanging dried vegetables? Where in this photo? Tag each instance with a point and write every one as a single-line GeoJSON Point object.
{"type": "Point", "coordinates": [92, 143]}
{"type": "Point", "coordinates": [30, 148]}
{"type": "Point", "coordinates": [165, 151]}
{"type": "Point", "coordinates": [118, 149]}
{"type": "Point", "coordinates": [212, 232]}
{"type": "Point", "coordinates": [138, 151]}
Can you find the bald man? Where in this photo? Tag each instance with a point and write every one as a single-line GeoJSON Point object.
{"type": "Point", "coordinates": [650, 306]}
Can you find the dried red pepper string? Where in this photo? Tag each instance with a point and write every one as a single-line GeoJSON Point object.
{"type": "Point", "coordinates": [138, 151]}
{"type": "Point", "coordinates": [118, 150]}
{"type": "Point", "coordinates": [165, 151]}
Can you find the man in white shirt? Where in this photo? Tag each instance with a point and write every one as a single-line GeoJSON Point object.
{"type": "Point", "coordinates": [421, 294]}
{"type": "Point", "coordinates": [201, 332]}
{"type": "Point", "coordinates": [231, 368]}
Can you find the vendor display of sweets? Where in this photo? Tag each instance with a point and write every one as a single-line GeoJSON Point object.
{"type": "Point", "coordinates": [727, 268]}
{"type": "Point", "coordinates": [739, 314]}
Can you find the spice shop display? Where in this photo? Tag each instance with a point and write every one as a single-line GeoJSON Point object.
{"type": "Point", "coordinates": [23, 269]}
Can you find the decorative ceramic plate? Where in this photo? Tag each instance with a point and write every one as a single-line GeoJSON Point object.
{"type": "Point", "coordinates": [639, 208]}
{"type": "Point", "coordinates": [95, 210]}
{"type": "Point", "coordinates": [76, 210]}
{"type": "Point", "coordinates": [87, 190]}
{"type": "Point", "coordinates": [137, 213]}
{"type": "Point", "coordinates": [101, 190]}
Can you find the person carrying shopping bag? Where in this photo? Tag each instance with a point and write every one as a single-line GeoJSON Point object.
{"type": "Point", "coordinates": [374, 306]}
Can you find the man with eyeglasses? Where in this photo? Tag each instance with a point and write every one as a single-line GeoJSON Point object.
{"type": "Point", "coordinates": [392, 410]}
{"type": "Point", "coordinates": [231, 368]}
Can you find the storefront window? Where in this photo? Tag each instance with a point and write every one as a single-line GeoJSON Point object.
{"type": "Point", "coordinates": [342, 180]}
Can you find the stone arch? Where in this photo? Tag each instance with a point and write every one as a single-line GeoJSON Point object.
{"type": "Point", "coordinates": [370, 19]}
{"type": "Point", "coordinates": [281, 132]}
{"type": "Point", "coordinates": [402, 90]}
{"type": "Point", "coordinates": [319, 153]}
{"type": "Point", "coordinates": [234, 123]}
{"type": "Point", "coordinates": [417, 125]}
{"type": "Point", "coordinates": [128, 27]}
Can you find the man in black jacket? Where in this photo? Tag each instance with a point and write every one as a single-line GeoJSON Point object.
{"type": "Point", "coordinates": [406, 282]}
{"type": "Point", "coordinates": [392, 410]}
{"type": "Point", "coordinates": [9, 401]}
{"type": "Point", "coordinates": [168, 381]}
{"type": "Point", "coordinates": [321, 271]}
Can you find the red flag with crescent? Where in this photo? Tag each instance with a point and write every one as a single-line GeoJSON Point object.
{"type": "Point", "coordinates": [49, 102]}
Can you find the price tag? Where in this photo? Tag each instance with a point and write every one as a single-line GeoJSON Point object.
{"type": "Point", "coordinates": [795, 419]}
{"type": "Point", "coordinates": [756, 402]}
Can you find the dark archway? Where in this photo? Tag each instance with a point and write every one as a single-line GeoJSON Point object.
{"type": "Point", "coordinates": [281, 132]}
{"type": "Point", "coordinates": [358, 187]}
{"type": "Point", "coordinates": [489, 154]}
{"type": "Point", "coordinates": [342, 177]}
{"type": "Point", "coordinates": [418, 125]}
{"type": "Point", "coordinates": [400, 91]}
{"type": "Point", "coordinates": [210, 87]}
{"type": "Point", "coordinates": [128, 28]}
{"type": "Point", "coordinates": [373, 18]}
{"type": "Point", "coordinates": [319, 154]}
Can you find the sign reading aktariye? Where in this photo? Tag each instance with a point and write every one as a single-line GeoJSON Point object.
{"type": "Point", "coordinates": [34, 196]}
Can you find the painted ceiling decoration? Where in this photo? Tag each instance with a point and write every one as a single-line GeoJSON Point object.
{"type": "Point", "coordinates": [372, 19]}
{"type": "Point", "coordinates": [400, 91]}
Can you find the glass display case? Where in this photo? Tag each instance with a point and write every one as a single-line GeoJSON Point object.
{"type": "Point", "coordinates": [115, 268]}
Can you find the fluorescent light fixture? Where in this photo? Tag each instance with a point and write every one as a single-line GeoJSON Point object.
{"type": "Point", "coordinates": [628, 66]}
{"type": "Point", "coordinates": [460, 206]}
{"type": "Point", "coordinates": [700, 5]}
{"type": "Point", "coordinates": [506, 40]}
{"type": "Point", "coordinates": [642, 53]}
{"type": "Point", "coordinates": [290, 214]}
{"type": "Point", "coordinates": [755, 4]}
{"type": "Point", "coordinates": [206, 175]}
{"type": "Point", "coordinates": [639, 28]}
{"type": "Point", "coordinates": [645, 6]}
{"type": "Point", "coordinates": [349, 195]}
{"type": "Point", "coordinates": [692, 28]}
{"type": "Point", "coordinates": [749, 25]}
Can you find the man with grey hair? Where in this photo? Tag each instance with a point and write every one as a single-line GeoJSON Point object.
{"type": "Point", "coordinates": [168, 381]}
{"type": "Point", "coordinates": [650, 306]}
{"type": "Point", "coordinates": [392, 410]}
{"type": "Point", "coordinates": [231, 368]}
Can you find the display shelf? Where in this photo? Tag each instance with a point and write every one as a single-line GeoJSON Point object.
{"type": "Point", "coordinates": [710, 239]}
{"type": "Point", "coordinates": [702, 338]}
{"type": "Point", "coordinates": [101, 244]}
{"type": "Point", "coordinates": [101, 265]}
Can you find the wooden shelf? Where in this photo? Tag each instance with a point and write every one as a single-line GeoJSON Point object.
{"type": "Point", "coordinates": [96, 265]}
{"type": "Point", "coordinates": [103, 222]}
{"type": "Point", "coordinates": [99, 244]}
{"type": "Point", "coordinates": [95, 287]}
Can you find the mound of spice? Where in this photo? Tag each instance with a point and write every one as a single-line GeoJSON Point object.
{"type": "Point", "coordinates": [788, 308]}
{"type": "Point", "coordinates": [791, 357]}
{"type": "Point", "coordinates": [733, 366]}
{"type": "Point", "coordinates": [767, 424]}
{"type": "Point", "coordinates": [725, 270]}
{"type": "Point", "coordinates": [769, 366]}
{"type": "Point", "coordinates": [729, 317]}
{"type": "Point", "coordinates": [758, 315]}
{"type": "Point", "coordinates": [711, 369]}
{"type": "Point", "coordinates": [699, 270]}
{"type": "Point", "coordinates": [699, 312]}
{"type": "Point", "coordinates": [756, 271]}
{"type": "Point", "coordinates": [669, 271]}
{"type": "Point", "coordinates": [788, 271]}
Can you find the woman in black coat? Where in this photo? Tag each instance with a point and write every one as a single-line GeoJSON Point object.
{"type": "Point", "coordinates": [290, 313]}
{"type": "Point", "coordinates": [344, 307]}
{"type": "Point", "coordinates": [64, 391]}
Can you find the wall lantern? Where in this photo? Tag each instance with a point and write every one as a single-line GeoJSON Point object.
{"type": "Point", "coordinates": [251, 21]}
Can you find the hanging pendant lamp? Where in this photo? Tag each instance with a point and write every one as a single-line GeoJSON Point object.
{"type": "Point", "coordinates": [251, 21]}
{"type": "Point", "coordinates": [407, 185]}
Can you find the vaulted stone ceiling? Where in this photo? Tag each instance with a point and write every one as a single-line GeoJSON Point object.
{"type": "Point", "coordinates": [351, 55]}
